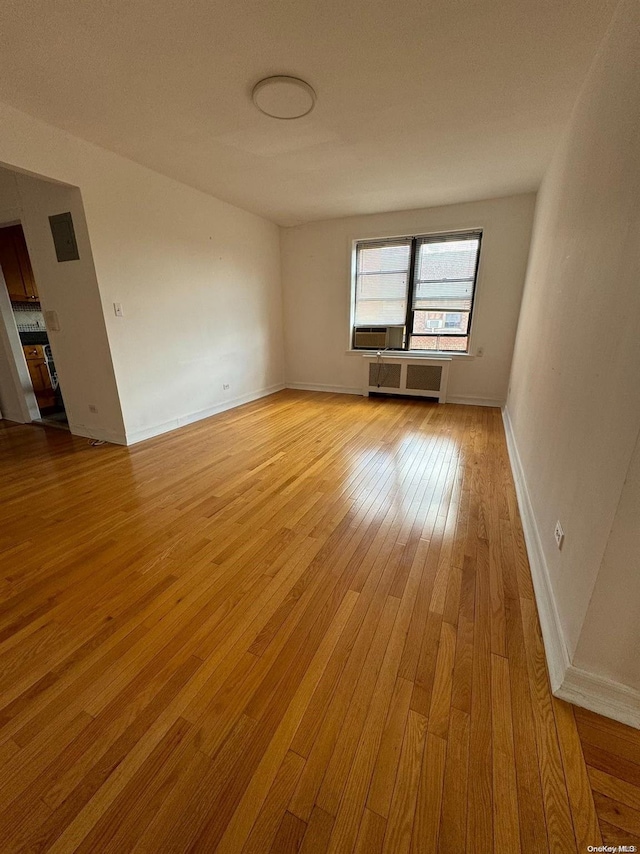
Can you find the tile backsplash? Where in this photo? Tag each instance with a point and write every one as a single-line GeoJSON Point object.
{"type": "Point", "coordinates": [28, 317]}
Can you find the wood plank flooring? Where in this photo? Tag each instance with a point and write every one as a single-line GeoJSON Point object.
{"type": "Point", "coordinates": [304, 625]}
{"type": "Point", "coordinates": [612, 754]}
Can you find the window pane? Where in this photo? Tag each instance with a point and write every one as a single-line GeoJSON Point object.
{"type": "Point", "coordinates": [445, 274]}
{"type": "Point", "coordinates": [383, 258]}
{"type": "Point", "coordinates": [380, 312]}
{"type": "Point", "coordinates": [382, 283]}
{"type": "Point", "coordinates": [421, 342]}
{"type": "Point", "coordinates": [453, 345]}
{"type": "Point", "coordinates": [444, 323]}
{"type": "Point", "coordinates": [437, 295]}
{"type": "Point", "coordinates": [440, 343]}
{"type": "Point", "coordinates": [448, 259]}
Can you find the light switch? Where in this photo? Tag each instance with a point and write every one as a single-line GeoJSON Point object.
{"type": "Point", "coordinates": [117, 309]}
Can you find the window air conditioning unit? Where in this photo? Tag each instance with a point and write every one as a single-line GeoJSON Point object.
{"type": "Point", "coordinates": [378, 337]}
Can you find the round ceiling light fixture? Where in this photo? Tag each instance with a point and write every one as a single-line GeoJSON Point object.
{"type": "Point", "coordinates": [283, 97]}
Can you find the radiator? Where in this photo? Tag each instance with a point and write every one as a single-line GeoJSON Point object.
{"type": "Point", "coordinates": [404, 375]}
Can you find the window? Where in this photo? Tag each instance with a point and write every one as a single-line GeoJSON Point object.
{"type": "Point", "coordinates": [381, 283]}
{"type": "Point", "coordinates": [424, 284]}
{"type": "Point", "coordinates": [452, 321]}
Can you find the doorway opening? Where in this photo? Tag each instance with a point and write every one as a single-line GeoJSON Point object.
{"type": "Point", "coordinates": [28, 318]}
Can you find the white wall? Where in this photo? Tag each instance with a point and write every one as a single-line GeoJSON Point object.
{"type": "Point", "coordinates": [609, 639]}
{"type": "Point", "coordinates": [9, 197]}
{"type": "Point", "coordinates": [575, 390]}
{"type": "Point", "coordinates": [199, 281]}
{"type": "Point", "coordinates": [81, 348]}
{"type": "Point", "coordinates": [12, 399]}
{"type": "Point", "coordinates": [316, 270]}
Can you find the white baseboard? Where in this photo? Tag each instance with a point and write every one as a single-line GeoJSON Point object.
{"type": "Point", "coordinates": [135, 436]}
{"type": "Point", "coordinates": [558, 660]}
{"type": "Point", "coordinates": [330, 389]}
{"type": "Point", "coordinates": [14, 414]}
{"type": "Point", "coordinates": [601, 695]}
{"type": "Point", "coordinates": [341, 389]}
{"type": "Point", "coordinates": [470, 400]}
{"type": "Point", "coordinates": [568, 682]}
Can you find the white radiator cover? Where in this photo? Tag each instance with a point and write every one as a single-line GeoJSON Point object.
{"type": "Point", "coordinates": [417, 377]}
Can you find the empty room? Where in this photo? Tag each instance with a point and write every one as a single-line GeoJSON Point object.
{"type": "Point", "coordinates": [320, 427]}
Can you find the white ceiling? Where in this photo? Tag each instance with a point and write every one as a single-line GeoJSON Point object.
{"type": "Point", "coordinates": [420, 102]}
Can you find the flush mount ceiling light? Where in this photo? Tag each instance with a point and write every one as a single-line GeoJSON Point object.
{"type": "Point", "coordinates": [283, 97]}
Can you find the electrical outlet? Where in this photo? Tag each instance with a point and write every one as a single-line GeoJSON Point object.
{"type": "Point", "coordinates": [225, 386]}
{"type": "Point", "coordinates": [93, 408]}
{"type": "Point", "coordinates": [559, 535]}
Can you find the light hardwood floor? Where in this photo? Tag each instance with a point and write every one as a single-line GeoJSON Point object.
{"type": "Point", "coordinates": [612, 753]}
{"type": "Point", "coordinates": [306, 624]}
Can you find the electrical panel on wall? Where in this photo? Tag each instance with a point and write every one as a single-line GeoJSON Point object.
{"type": "Point", "coordinates": [64, 237]}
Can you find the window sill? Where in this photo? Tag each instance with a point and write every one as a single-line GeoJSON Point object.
{"type": "Point", "coordinates": [411, 354]}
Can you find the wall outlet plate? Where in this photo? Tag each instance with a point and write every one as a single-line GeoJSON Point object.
{"type": "Point", "coordinates": [559, 535]}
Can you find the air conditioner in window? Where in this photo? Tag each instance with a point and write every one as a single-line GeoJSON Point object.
{"type": "Point", "coordinates": [378, 337]}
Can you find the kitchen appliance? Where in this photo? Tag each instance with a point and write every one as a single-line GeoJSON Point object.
{"type": "Point", "coordinates": [51, 366]}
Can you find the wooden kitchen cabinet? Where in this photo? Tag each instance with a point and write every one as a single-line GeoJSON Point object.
{"type": "Point", "coordinates": [16, 266]}
{"type": "Point", "coordinates": [33, 351]}
{"type": "Point", "coordinates": [39, 373]}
